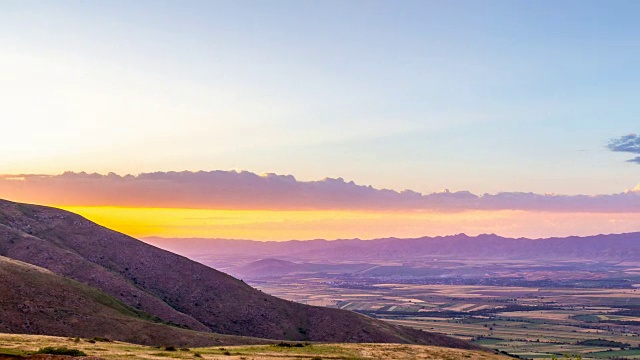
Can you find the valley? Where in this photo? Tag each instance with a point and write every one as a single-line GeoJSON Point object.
{"type": "Point", "coordinates": [517, 298]}
{"type": "Point", "coordinates": [523, 321]}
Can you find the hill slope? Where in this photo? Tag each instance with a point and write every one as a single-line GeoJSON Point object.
{"type": "Point", "coordinates": [22, 344]}
{"type": "Point", "coordinates": [175, 288]}
{"type": "Point", "coordinates": [37, 301]}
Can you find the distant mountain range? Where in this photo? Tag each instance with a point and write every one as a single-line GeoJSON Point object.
{"type": "Point", "coordinates": [615, 247]}
{"type": "Point", "coordinates": [64, 275]}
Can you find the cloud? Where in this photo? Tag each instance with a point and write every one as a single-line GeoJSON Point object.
{"type": "Point", "coordinates": [246, 190]}
{"type": "Point", "coordinates": [629, 144]}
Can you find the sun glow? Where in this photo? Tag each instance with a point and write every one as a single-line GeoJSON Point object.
{"type": "Point", "coordinates": [272, 224]}
{"type": "Point", "coordinates": [314, 224]}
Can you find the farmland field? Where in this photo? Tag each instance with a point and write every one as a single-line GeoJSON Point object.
{"type": "Point", "coordinates": [527, 322]}
{"type": "Point", "coordinates": [528, 307]}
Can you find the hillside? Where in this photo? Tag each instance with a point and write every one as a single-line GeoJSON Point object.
{"type": "Point", "coordinates": [176, 289]}
{"type": "Point", "coordinates": [36, 301]}
{"type": "Point", "coordinates": [22, 344]}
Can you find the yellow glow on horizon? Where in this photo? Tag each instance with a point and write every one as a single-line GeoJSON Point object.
{"type": "Point", "coordinates": [271, 224]}
{"type": "Point", "coordinates": [329, 224]}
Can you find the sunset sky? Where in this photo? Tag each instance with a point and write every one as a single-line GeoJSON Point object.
{"type": "Point", "coordinates": [526, 111]}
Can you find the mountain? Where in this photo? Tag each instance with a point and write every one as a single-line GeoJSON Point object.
{"type": "Point", "coordinates": [175, 289]}
{"type": "Point", "coordinates": [37, 301]}
{"type": "Point", "coordinates": [615, 247]}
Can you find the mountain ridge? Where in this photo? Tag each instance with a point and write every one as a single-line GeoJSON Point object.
{"type": "Point", "coordinates": [177, 289]}
{"type": "Point", "coordinates": [611, 247]}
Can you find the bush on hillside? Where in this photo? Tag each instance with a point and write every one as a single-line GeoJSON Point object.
{"type": "Point", "coordinates": [60, 351]}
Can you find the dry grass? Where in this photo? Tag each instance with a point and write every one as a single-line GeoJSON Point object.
{"type": "Point", "coordinates": [21, 344]}
{"type": "Point", "coordinates": [539, 314]}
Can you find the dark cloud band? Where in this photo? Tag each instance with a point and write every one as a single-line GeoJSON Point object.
{"type": "Point", "coordinates": [629, 144]}
{"type": "Point", "coordinates": [635, 160]}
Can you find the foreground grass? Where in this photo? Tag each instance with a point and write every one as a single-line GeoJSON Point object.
{"type": "Point", "coordinates": [25, 344]}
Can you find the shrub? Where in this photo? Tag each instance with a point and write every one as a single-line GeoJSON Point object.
{"type": "Point", "coordinates": [101, 339]}
{"type": "Point", "coordinates": [288, 345]}
{"type": "Point", "coordinates": [60, 351]}
{"type": "Point", "coordinates": [170, 348]}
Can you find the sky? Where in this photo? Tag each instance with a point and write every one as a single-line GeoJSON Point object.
{"type": "Point", "coordinates": [486, 97]}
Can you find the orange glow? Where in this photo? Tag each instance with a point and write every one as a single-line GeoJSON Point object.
{"type": "Point", "coordinates": [286, 225]}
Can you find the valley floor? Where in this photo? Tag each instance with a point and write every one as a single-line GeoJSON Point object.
{"type": "Point", "coordinates": [530, 322]}
{"type": "Point", "coordinates": [23, 344]}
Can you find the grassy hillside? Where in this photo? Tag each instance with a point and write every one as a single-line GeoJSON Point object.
{"type": "Point", "coordinates": [37, 301]}
{"type": "Point", "coordinates": [23, 344]}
